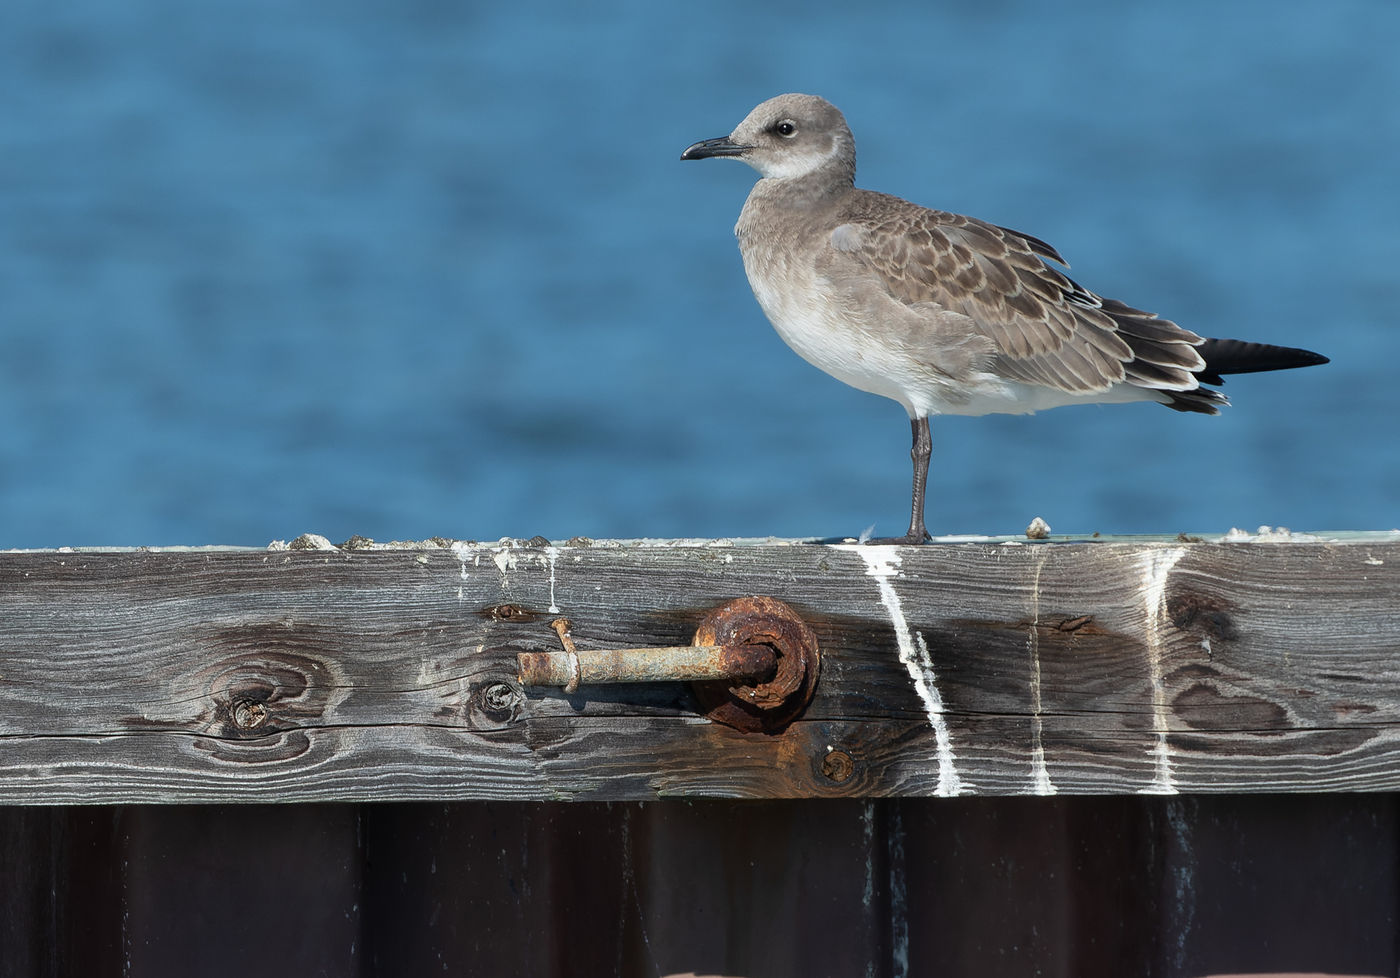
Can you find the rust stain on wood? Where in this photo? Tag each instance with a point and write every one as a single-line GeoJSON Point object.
{"type": "Point", "coordinates": [510, 611]}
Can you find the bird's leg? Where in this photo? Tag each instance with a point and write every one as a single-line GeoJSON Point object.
{"type": "Point", "coordinates": [920, 454]}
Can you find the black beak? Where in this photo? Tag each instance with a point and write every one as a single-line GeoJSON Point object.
{"type": "Point", "coordinates": [719, 146]}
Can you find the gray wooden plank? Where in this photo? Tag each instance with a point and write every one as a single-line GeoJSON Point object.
{"type": "Point", "coordinates": [1102, 668]}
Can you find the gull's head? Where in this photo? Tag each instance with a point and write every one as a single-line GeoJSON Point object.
{"type": "Point", "coordinates": [787, 137]}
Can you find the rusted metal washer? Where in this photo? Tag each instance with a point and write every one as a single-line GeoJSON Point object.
{"type": "Point", "coordinates": [772, 704]}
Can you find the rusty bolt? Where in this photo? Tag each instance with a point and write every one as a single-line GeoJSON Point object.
{"type": "Point", "coordinates": [767, 706]}
{"type": "Point", "coordinates": [508, 612]}
{"type": "Point", "coordinates": [674, 663]}
{"type": "Point", "coordinates": [678, 663]}
{"type": "Point", "coordinates": [754, 664]}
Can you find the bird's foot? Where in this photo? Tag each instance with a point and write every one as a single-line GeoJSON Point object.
{"type": "Point", "coordinates": [911, 539]}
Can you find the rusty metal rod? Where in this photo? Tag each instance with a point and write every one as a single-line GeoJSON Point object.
{"type": "Point", "coordinates": [678, 663]}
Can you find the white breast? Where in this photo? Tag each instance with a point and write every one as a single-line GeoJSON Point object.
{"type": "Point", "coordinates": [809, 321]}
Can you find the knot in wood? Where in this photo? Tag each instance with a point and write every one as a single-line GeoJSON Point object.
{"type": "Point", "coordinates": [248, 714]}
{"type": "Point", "coordinates": [838, 766]}
{"type": "Point", "coordinates": [494, 704]}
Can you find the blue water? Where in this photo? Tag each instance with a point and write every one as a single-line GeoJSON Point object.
{"type": "Point", "coordinates": [434, 268]}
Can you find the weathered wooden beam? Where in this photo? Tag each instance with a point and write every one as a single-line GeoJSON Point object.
{"type": "Point", "coordinates": [1138, 666]}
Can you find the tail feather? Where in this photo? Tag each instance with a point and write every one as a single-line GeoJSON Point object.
{"type": "Point", "coordinates": [1243, 357]}
{"type": "Point", "coordinates": [1234, 357]}
{"type": "Point", "coordinates": [1201, 400]}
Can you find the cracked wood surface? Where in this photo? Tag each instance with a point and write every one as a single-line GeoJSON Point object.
{"type": "Point", "coordinates": [997, 669]}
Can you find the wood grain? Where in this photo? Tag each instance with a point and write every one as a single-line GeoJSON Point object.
{"type": "Point", "coordinates": [1083, 668]}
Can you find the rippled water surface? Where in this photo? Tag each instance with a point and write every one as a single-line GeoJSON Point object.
{"type": "Point", "coordinates": [435, 269]}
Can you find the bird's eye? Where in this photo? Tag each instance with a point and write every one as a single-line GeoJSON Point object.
{"type": "Point", "coordinates": [785, 128]}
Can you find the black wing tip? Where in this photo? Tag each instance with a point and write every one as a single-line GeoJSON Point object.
{"type": "Point", "coordinates": [1245, 357]}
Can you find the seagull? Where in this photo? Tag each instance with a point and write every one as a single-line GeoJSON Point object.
{"type": "Point", "coordinates": [943, 313]}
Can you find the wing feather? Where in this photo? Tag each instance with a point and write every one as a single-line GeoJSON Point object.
{"type": "Point", "coordinates": [1046, 328]}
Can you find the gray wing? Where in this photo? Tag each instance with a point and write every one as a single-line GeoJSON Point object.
{"type": "Point", "coordinates": [1045, 328]}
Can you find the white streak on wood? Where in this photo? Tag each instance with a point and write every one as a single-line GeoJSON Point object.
{"type": "Point", "coordinates": [949, 781]}
{"type": "Point", "coordinates": [1040, 774]}
{"type": "Point", "coordinates": [1156, 567]}
{"type": "Point", "coordinates": [462, 552]}
{"type": "Point", "coordinates": [552, 554]}
{"type": "Point", "coordinates": [880, 563]}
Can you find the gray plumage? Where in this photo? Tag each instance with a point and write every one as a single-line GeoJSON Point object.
{"type": "Point", "coordinates": [944, 313]}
